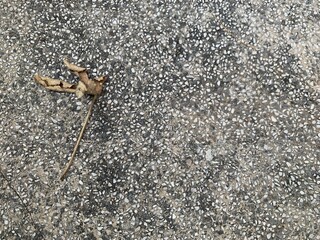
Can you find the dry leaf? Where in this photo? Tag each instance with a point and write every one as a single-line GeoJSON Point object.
{"type": "Point", "coordinates": [81, 89]}
{"type": "Point", "coordinates": [93, 87]}
{"type": "Point", "coordinates": [84, 86]}
{"type": "Point", "coordinates": [55, 84]}
{"type": "Point", "coordinates": [73, 67]}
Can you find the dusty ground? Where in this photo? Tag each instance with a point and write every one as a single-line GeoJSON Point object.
{"type": "Point", "coordinates": [208, 127]}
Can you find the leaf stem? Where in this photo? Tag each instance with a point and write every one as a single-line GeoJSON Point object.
{"type": "Point", "coordinates": [65, 171]}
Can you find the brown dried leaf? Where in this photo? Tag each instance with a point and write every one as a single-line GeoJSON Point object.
{"type": "Point", "coordinates": [55, 84]}
{"type": "Point", "coordinates": [73, 67]}
{"type": "Point", "coordinates": [81, 89]}
{"type": "Point", "coordinates": [92, 87]}
{"type": "Point", "coordinates": [85, 85]}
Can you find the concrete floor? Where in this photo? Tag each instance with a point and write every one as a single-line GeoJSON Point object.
{"type": "Point", "coordinates": [208, 127]}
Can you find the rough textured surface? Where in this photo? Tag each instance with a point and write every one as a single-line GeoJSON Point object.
{"type": "Point", "coordinates": [208, 128]}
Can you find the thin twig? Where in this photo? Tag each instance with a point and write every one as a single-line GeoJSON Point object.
{"type": "Point", "coordinates": [79, 138]}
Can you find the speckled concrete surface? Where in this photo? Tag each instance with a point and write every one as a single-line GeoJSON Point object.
{"type": "Point", "coordinates": [208, 127]}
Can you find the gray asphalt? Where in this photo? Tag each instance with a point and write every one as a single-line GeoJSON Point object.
{"type": "Point", "coordinates": [208, 127]}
